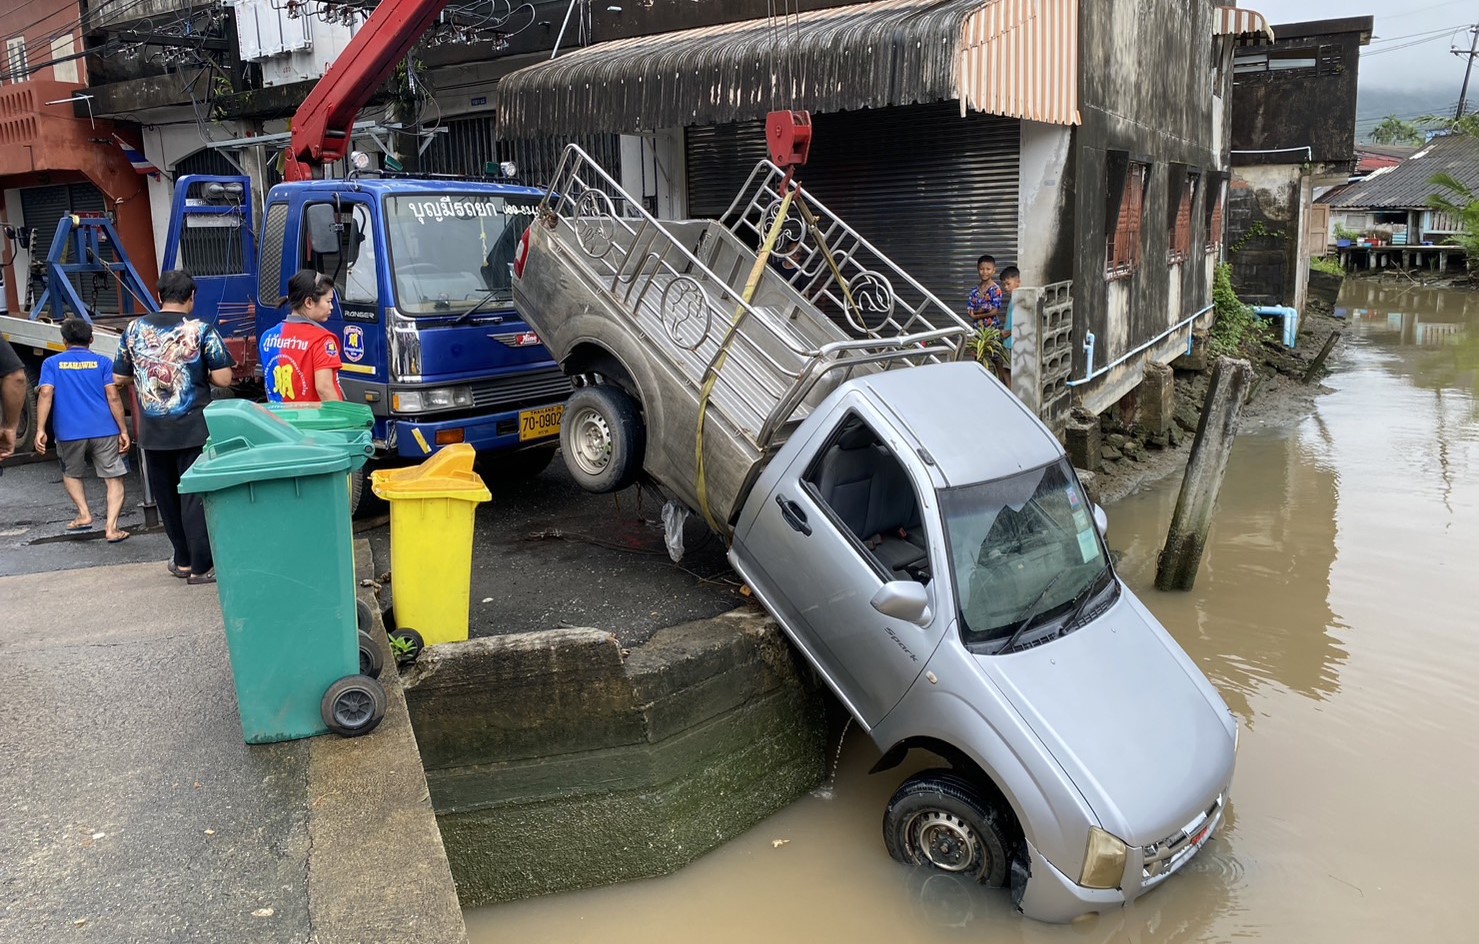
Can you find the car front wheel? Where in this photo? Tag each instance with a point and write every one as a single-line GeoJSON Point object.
{"type": "Point", "coordinates": [941, 820]}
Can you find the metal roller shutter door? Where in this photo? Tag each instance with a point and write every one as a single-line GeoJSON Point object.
{"type": "Point", "coordinates": [930, 189]}
{"type": "Point", "coordinates": [469, 144]}
{"type": "Point", "coordinates": [42, 209]}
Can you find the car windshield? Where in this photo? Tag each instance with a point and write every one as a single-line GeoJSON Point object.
{"type": "Point", "coordinates": [1018, 539]}
{"type": "Point", "coordinates": [452, 251]}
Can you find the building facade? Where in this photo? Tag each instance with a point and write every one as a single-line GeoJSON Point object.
{"type": "Point", "coordinates": [1293, 131]}
{"type": "Point", "coordinates": [58, 158]}
{"type": "Point", "coordinates": [1086, 143]}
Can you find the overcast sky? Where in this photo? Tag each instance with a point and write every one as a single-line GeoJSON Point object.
{"type": "Point", "coordinates": [1409, 51]}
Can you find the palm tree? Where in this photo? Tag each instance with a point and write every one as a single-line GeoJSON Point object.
{"type": "Point", "coordinates": [1394, 130]}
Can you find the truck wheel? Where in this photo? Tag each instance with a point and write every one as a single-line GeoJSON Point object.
{"type": "Point", "coordinates": [25, 432]}
{"type": "Point", "coordinates": [363, 503]}
{"type": "Point", "coordinates": [518, 466]}
{"type": "Point", "coordinates": [603, 438]}
{"type": "Point", "coordinates": [939, 819]}
{"type": "Point", "coordinates": [353, 705]}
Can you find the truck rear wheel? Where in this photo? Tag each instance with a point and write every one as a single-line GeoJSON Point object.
{"type": "Point", "coordinates": [603, 438]}
{"type": "Point", "coordinates": [940, 819]}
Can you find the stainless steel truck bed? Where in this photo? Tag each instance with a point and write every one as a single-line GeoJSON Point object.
{"type": "Point", "coordinates": [602, 278]}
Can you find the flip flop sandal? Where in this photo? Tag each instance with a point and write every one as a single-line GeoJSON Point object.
{"type": "Point", "coordinates": [177, 571]}
{"type": "Point", "coordinates": [124, 537]}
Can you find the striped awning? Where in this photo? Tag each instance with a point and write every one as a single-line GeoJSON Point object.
{"type": "Point", "coordinates": [1247, 25]}
{"type": "Point", "coordinates": [1017, 58]}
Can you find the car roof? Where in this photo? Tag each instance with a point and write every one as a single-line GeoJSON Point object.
{"type": "Point", "coordinates": [953, 409]}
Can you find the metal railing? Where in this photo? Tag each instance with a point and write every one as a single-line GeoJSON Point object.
{"type": "Point", "coordinates": [770, 364]}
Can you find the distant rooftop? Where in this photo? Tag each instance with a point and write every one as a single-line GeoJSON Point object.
{"type": "Point", "coordinates": [1409, 184]}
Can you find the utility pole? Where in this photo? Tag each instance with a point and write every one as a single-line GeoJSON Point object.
{"type": "Point", "coordinates": [1473, 50]}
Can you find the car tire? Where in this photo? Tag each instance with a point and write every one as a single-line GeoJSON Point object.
{"type": "Point", "coordinates": [25, 432]}
{"type": "Point", "coordinates": [941, 820]}
{"type": "Point", "coordinates": [603, 438]}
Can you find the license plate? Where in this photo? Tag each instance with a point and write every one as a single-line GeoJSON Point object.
{"type": "Point", "coordinates": [538, 424]}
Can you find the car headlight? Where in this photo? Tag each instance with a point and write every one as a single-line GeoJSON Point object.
{"type": "Point", "coordinates": [432, 398]}
{"type": "Point", "coordinates": [1104, 860]}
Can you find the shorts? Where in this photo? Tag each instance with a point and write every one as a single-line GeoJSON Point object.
{"type": "Point", "coordinates": [102, 452]}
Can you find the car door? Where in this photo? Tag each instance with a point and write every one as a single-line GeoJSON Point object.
{"type": "Point", "coordinates": [804, 539]}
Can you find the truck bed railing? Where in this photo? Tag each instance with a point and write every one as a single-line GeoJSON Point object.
{"type": "Point", "coordinates": [681, 283]}
{"type": "Point", "coordinates": [885, 300]}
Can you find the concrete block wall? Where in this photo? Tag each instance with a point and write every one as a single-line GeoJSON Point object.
{"type": "Point", "coordinates": [556, 760]}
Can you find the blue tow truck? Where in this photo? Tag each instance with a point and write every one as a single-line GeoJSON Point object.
{"type": "Point", "coordinates": [423, 307]}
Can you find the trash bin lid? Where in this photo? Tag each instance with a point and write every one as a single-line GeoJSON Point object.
{"type": "Point", "coordinates": [446, 474]}
{"type": "Point", "coordinates": [334, 414]}
{"type": "Point", "coordinates": [250, 444]}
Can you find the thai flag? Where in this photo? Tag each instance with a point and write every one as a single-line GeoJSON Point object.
{"type": "Point", "coordinates": [136, 158]}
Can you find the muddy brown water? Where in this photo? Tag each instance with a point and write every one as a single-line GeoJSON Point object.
{"type": "Point", "coordinates": [1335, 612]}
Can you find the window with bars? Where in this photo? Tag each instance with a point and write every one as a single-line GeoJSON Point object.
{"type": "Point", "coordinates": [15, 59]}
{"type": "Point", "coordinates": [1181, 195]}
{"type": "Point", "coordinates": [1125, 219]}
{"type": "Point", "coordinates": [1215, 197]}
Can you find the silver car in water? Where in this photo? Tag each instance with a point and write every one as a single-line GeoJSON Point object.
{"type": "Point", "coordinates": [914, 529]}
{"type": "Point", "coordinates": [950, 582]}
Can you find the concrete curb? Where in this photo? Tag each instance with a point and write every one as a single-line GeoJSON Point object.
{"type": "Point", "coordinates": [377, 871]}
{"type": "Point", "coordinates": [630, 764]}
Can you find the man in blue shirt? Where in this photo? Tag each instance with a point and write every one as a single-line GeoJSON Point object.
{"type": "Point", "coordinates": [89, 423]}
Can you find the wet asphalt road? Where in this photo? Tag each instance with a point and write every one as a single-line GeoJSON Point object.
{"type": "Point", "coordinates": [545, 553]}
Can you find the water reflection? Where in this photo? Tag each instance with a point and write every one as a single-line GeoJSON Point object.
{"type": "Point", "coordinates": [1334, 612]}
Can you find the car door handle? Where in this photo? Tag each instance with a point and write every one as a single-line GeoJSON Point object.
{"type": "Point", "coordinates": [793, 514]}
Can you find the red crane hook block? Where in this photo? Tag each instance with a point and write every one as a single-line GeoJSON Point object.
{"type": "Point", "coordinates": [789, 135]}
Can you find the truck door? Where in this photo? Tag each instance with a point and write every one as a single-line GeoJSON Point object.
{"type": "Point", "coordinates": [210, 236]}
{"type": "Point", "coordinates": [840, 523]}
{"type": "Point", "coordinates": [354, 264]}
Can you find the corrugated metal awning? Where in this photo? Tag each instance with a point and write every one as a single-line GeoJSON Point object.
{"type": "Point", "coordinates": [1017, 58]}
{"type": "Point", "coordinates": [1250, 26]}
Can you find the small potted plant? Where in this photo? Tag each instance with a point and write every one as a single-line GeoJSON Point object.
{"type": "Point", "coordinates": [1345, 237]}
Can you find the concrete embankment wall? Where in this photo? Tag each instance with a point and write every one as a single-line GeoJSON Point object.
{"type": "Point", "coordinates": [556, 760]}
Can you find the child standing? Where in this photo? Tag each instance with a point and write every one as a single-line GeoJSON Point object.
{"type": "Point", "coordinates": [984, 306]}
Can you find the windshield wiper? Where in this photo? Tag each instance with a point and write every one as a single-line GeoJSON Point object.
{"type": "Point", "coordinates": [1089, 593]}
{"type": "Point", "coordinates": [1030, 613]}
{"type": "Point", "coordinates": [487, 297]}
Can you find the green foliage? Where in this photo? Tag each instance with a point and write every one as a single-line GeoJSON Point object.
{"type": "Point", "coordinates": [1345, 232]}
{"type": "Point", "coordinates": [1461, 203]}
{"type": "Point", "coordinates": [1394, 130]}
{"type": "Point", "coordinates": [988, 346]}
{"type": "Point", "coordinates": [1256, 231]}
{"type": "Point", "coordinates": [1234, 325]}
{"type": "Point", "coordinates": [1328, 266]}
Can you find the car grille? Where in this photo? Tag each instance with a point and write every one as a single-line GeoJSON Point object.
{"type": "Point", "coordinates": [1160, 859]}
{"type": "Point", "coordinates": [509, 393]}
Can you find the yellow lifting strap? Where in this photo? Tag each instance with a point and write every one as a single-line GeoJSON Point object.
{"type": "Point", "coordinates": [816, 231]}
{"type": "Point", "coordinates": [712, 377]}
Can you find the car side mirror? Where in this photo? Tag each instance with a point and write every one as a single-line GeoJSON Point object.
{"type": "Point", "coordinates": [904, 600]}
{"type": "Point", "coordinates": [323, 235]}
{"type": "Point", "coordinates": [1101, 521]}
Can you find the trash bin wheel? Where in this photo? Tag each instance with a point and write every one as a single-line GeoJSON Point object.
{"type": "Point", "coordinates": [353, 705]}
{"type": "Point", "coordinates": [407, 645]}
{"type": "Point", "coordinates": [364, 617]}
{"type": "Point", "coordinates": [371, 661]}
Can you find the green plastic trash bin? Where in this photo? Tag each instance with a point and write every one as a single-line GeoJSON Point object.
{"type": "Point", "coordinates": [277, 508]}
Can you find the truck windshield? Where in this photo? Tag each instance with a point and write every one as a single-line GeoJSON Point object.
{"type": "Point", "coordinates": [1011, 539]}
{"type": "Point", "coordinates": [449, 252]}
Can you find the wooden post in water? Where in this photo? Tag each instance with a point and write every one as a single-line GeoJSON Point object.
{"type": "Point", "coordinates": [1314, 369]}
{"type": "Point", "coordinates": [1182, 555]}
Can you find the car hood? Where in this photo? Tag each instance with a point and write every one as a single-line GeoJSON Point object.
{"type": "Point", "coordinates": [1135, 725]}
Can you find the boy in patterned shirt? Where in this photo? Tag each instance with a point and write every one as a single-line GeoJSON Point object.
{"type": "Point", "coordinates": [984, 306]}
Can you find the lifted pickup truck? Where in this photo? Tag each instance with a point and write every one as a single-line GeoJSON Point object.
{"type": "Point", "coordinates": [914, 529]}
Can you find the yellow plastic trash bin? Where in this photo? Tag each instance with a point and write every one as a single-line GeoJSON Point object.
{"type": "Point", "coordinates": [431, 515]}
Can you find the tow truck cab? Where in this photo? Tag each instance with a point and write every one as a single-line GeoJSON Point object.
{"type": "Point", "coordinates": [423, 306]}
